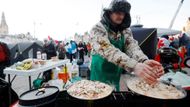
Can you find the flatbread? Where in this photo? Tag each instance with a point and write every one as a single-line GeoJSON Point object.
{"type": "Point", "coordinates": [158, 90]}
{"type": "Point", "coordinates": [89, 90]}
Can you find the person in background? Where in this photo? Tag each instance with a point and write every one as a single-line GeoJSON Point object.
{"type": "Point", "coordinates": [49, 49]}
{"type": "Point", "coordinates": [75, 50]}
{"type": "Point", "coordinates": [89, 48]}
{"type": "Point", "coordinates": [67, 50]}
{"type": "Point", "coordinates": [57, 46]}
{"type": "Point", "coordinates": [184, 41]}
{"type": "Point", "coordinates": [186, 29]}
{"type": "Point", "coordinates": [5, 60]}
{"type": "Point", "coordinates": [61, 50]}
{"type": "Point", "coordinates": [85, 48]}
{"type": "Point", "coordinates": [81, 51]}
{"type": "Point", "coordinates": [72, 50]}
{"type": "Point", "coordinates": [163, 41]}
{"type": "Point", "coordinates": [174, 43]}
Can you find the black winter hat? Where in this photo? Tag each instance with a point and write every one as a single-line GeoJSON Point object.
{"type": "Point", "coordinates": [119, 6]}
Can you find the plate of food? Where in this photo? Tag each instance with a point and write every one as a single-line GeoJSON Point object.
{"type": "Point", "coordinates": [25, 65]}
{"type": "Point", "coordinates": [89, 90]}
{"type": "Point", "coordinates": [29, 64]}
{"type": "Point", "coordinates": [158, 90]}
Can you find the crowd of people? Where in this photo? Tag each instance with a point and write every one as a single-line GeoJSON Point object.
{"type": "Point", "coordinates": [178, 42]}
{"type": "Point", "coordinates": [69, 50]}
{"type": "Point", "coordinates": [177, 47]}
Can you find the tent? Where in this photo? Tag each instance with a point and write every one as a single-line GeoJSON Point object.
{"type": "Point", "coordinates": [24, 50]}
{"type": "Point", "coordinates": [147, 39]}
{"type": "Point", "coordinates": [164, 31]}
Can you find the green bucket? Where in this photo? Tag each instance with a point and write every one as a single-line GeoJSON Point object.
{"type": "Point", "coordinates": [37, 83]}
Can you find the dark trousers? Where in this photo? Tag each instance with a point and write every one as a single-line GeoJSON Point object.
{"type": "Point", "coordinates": [188, 50]}
{"type": "Point", "coordinates": [71, 57]}
{"type": "Point", "coordinates": [81, 56]}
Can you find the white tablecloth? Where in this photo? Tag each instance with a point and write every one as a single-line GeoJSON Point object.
{"type": "Point", "coordinates": [35, 71]}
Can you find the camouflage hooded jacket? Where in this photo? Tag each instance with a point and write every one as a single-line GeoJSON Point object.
{"type": "Point", "coordinates": [102, 46]}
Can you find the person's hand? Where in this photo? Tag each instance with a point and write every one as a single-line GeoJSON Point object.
{"type": "Point", "coordinates": [152, 63]}
{"type": "Point", "coordinates": [145, 72]}
{"type": "Point", "coordinates": [157, 67]}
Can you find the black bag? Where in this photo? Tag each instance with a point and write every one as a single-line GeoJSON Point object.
{"type": "Point", "coordinates": [61, 55]}
{"type": "Point", "coordinates": [79, 62]}
{"type": "Point", "coordinates": [46, 76]}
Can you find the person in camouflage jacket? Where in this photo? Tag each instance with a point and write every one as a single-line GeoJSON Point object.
{"type": "Point", "coordinates": [115, 50]}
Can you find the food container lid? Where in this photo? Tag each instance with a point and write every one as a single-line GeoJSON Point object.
{"type": "Point", "coordinates": [40, 96]}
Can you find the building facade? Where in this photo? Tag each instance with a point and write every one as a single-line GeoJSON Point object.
{"type": "Point", "coordinates": [4, 30]}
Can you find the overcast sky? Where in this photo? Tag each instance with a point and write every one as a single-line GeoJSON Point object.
{"type": "Point", "coordinates": [63, 18]}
